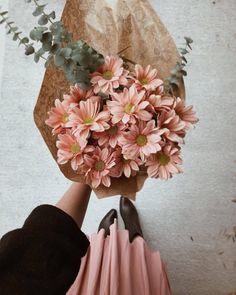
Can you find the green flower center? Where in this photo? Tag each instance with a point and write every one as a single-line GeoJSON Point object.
{"type": "Point", "coordinates": [144, 81]}
{"type": "Point", "coordinates": [99, 166]}
{"type": "Point", "coordinates": [141, 140]}
{"type": "Point", "coordinates": [88, 120]}
{"type": "Point", "coordinates": [164, 159]}
{"type": "Point", "coordinates": [65, 117]}
{"type": "Point", "coordinates": [113, 130]}
{"type": "Point", "coordinates": [75, 148]}
{"type": "Point", "coordinates": [125, 161]}
{"type": "Point", "coordinates": [129, 108]}
{"type": "Point", "coordinates": [108, 75]}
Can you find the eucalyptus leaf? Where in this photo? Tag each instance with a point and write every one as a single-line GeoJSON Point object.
{"type": "Point", "coordinates": [47, 46]}
{"type": "Point", "coordinates": [38, 54]}
{"type": "Point", "coordinates": [25, 40]}
{"type": "Point", "coordinates": [66, 52]}
{"type": "Point", "coordinates": [14, 29]}
{"type": "Point", "coordinates": [52, 15]}
{"type": "Point", "coordinates": [184, 51]}
{"type": "Point", "coordinates": [16, 36]}
{"type": "Point", "coordinates": [29, 50]}
{"type": "Point", "coordinates": [36, 57]}
{"type": "Point", "coordinates": [54, 49]}
{"type": "Point", "coordinates": [188, 40]}
{"type": "Point", "coordinates": [36, 34]}
{"type": "Point", "coordinates": [43, 20]}
{"type": "Point", "coordinates": [59, 60]}
{"type": "Point", "coordinates": [48, 62]}
{"type": "Point", "coordinates": [183, 72]}
{"type": "Point", "coordinates": [47, 37]}
{"type": "Point", "coordinates": [39, 10]}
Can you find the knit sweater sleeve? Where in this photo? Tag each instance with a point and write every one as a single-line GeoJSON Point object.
{"type": "Point", "coordinates": [43, 257]}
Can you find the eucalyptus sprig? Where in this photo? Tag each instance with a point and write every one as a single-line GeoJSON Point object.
{"type": "Point", "coordinates": [13, 29]}
{"type": "Point", "coordinates": [77, 59]}
{"type": "Point", "coordinates": [44, 18]}
{"type": "Point", "coordinates": [179, 71]}
{"type": "Point", "coordinates": [55, 44]}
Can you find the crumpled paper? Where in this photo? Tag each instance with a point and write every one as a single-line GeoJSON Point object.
{"type": "Point", "coordinates": [109, 26]}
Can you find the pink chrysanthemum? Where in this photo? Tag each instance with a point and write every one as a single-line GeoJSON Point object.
{"type": "Point", "coordinates": [58, 116]}
{"type": "Point", "coordinates": [146, 78]}
{"type": "Point", "coordinates": [165, 163]}
{"type": "Point", "coordinates": [71, 149]}
{"type": "Point", "coordinates": [109, 76]}
{"type": "Point", "coordinates": [77, 94]}
{"type": "Point", "coordinates": [127, 166]}
{"type": "Point", "coordinates": [173, 126]}
{"type": "Point", "coordinates": [110, 136]}
{"type": "Point", "coordinates": [160, 103]}
{"type": "Point", "coordinates": [141, 140]}
{"type": "Point", "coordinates": [97, 167]}
{"type": "Point", "coordinates": [128, 105]}
{"type": "Point", "coordinates": [185, 113]}
{"type": "Point", "coordinates": [159, 90]}
{"type": "Point", "coordinates": [87, 117]}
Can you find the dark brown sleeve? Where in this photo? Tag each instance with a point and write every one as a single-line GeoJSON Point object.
{"type": "Point", "coordinates": [43, 257]}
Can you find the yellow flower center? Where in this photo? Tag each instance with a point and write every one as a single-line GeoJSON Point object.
{"type": "Point", "coordinates": [88, 120]}
{"type": "Point", "coordinates": [75, 148]}
{"type": "Point", "coordinates": [164, 159]}
{"type": "Point", "coordinates": [129, 108]}
{"type": "Point", "coordinates": [144, 81]}
{"type": "Point", "coordinates": [99, 166]}
{"type": "Point", "coordinates": [113, 130]}
{"type": "Point", "coordinates": [141, 140]}
{"type": "Point", "coordinates": [108, 75]}
{"type": "Point", "coordinates": [65, 117]}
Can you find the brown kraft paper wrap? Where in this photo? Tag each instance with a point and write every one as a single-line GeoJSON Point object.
{"type": "Point", "coordinates": [109, 27]}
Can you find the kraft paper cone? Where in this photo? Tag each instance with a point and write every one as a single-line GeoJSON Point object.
{"type": "Point", "coordinates": [109, 27]}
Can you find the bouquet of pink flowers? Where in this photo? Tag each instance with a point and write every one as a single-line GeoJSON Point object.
{"type": "Point", "coordinates": [123, 124]}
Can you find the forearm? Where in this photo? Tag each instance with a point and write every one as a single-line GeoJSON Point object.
{"type": "Point", "coordinates": [75, 202]}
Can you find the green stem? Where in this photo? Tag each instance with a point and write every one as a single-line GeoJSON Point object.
{"type": "Point", "coordinates": [123, 50]}
{"type": "Point", "coordinates": [128, 60]}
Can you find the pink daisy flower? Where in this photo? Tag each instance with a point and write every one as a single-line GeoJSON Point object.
{"type": "Point", "coordinates": [146, 78]}
{"type": "Point", "coordinates": [164, 163]}
{"type": "Point", "coordinates": [77, 94]}
{"type": "Point", "coordinates": [173, 126]}
{"type": "Point", "coordinates": [185, 113]}
{"type": "Point", "coordinates": [159, 90]}
{"type": "Point", "coordinates": [97, 167]}
{"type": "Point", "coordinates": [160, 103]}
{"type": "Point", "coordinates": [87, 117]}
{"type": "Point", "coordinates": [58, 116]}
{"type": "Point", "coordinates": [71, 149]}
{"type": "Point", "coordinates": [141, 140]}
{"type": "Point", "coordinates": [109, 76]}
{"type": "Point", "coordinates": [110, 136]}
{"type": "Point", "coordinates": [127, 166]}
{"type": "Point", "coordinates": [128, 105]}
